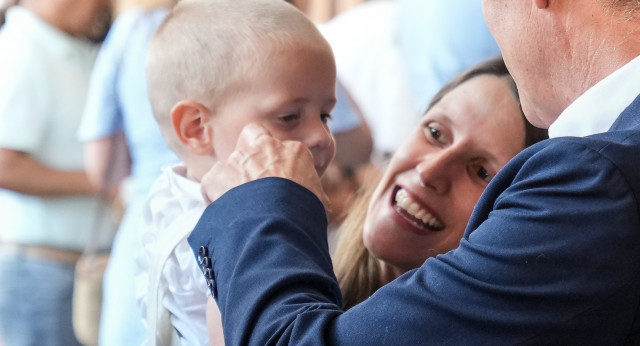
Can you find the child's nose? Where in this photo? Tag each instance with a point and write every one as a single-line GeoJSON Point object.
{"type": "Point", "coordinates": [320, 142]}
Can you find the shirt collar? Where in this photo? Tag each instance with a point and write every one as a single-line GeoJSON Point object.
{"type": "Point", "coordinates": [599, 107]}
{"type": "Point", "coordinates": [188, 192]}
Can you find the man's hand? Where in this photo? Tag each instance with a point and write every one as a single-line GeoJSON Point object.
{"type": "Point", "coordinates": [260, 155]}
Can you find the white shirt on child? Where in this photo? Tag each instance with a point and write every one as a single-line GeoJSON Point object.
{"type": "Point", "coordinates": [169, 284]}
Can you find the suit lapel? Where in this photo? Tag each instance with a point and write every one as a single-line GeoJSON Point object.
{"type": "Point", "coordinates": [630, 117]}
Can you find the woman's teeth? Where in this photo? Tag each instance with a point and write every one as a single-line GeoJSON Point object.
{"type": "Point", "coordinates": [411, 207]}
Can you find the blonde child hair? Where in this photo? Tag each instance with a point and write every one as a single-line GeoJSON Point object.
{"type": "Point", "coordinates": [218, 40]}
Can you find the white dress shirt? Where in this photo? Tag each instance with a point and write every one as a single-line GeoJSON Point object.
{"type": "Point", "coordinates": [599, 107]}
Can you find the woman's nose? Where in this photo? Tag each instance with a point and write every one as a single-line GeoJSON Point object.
{"type": "Point", "coordinates": [436, 172]}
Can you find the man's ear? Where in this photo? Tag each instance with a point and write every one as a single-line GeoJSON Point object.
{"type": "Point", "coordinates": [189, 122]}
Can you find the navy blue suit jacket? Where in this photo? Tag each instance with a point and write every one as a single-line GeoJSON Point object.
{"type": "Point", "coordinates": [551, 255]}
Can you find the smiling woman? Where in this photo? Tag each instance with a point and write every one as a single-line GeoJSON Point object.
{"type": "Point", "coordinates": [424, 199]}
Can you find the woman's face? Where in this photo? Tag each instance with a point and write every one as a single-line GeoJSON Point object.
{"type": "Point", "coordinates": [422, 205]}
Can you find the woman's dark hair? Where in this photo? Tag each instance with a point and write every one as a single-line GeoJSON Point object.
{"type": "Point", "coordinates": [357, 270]}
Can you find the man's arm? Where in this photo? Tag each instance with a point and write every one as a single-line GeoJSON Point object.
{"type": "Point", "coordinates": [544, 261]}
{"type": "Point", "coordinates": [259, 292]}
{"type": "Point", "coordinates": [21, 173]}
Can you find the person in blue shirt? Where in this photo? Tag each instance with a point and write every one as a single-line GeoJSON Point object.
{"type": "Point", "coordinates": [439, 39]}
{"type": "Point", "coordinates": [118, 118]}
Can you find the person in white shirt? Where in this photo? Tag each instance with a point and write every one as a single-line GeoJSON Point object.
{"type": "Point", "coordinates": [48, 204]}
{"type": "Point", "coordinates": [122, 140]}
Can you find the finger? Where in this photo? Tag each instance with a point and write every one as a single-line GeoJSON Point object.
{"type": "Point", "coordinates": [251, 134]}
{"type": "Point", "coordinates": [206, 185]}
{"type": "Point", "coordinates": [205, 195]}
{"type": "Point", "coordinates": [218, 180]}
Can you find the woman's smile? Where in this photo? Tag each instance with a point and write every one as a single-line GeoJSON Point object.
{"type": "Point", "coordinates": [413, 211]}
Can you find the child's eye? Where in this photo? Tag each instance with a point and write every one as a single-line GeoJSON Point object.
{"type": "Point", "coordinates": [325, 117]}
{"type": "Point", "coordinates": [484, 174]}
{"type": "Point", "coordinates": [289, 118]}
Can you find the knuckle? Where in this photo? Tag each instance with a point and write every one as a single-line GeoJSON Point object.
{"type": "Point", "coordinates": [264, 140]}
{"type": "Point", "coordinates": [298, 147]}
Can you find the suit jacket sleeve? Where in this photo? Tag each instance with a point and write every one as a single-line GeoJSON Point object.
{"type": "Point", "coordinates": [549, 257]}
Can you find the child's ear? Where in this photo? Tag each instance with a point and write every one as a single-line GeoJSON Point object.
{"type": "Point", "coordinates": [189, 122]}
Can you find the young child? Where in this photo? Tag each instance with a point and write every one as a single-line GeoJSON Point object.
{"type": "Point", "coordinates": [213, 67]}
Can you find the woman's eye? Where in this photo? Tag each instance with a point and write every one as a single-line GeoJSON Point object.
{"type": "Point", "coordinates": [435, 133]}
{"type": "Point", "coordinates": [325, 117]}
{"type": "Point", "coordinates": [484, 175]}
{"type": "Point", "coordinates": [431, 130]}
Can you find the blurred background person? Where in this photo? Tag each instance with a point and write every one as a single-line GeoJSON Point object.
{"type": "Point", "coordinates": [439, 39]}
{"type": "Point", "coordinates": [47, 51]}
{"type": "Point", "coordinates": [118, 125]}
